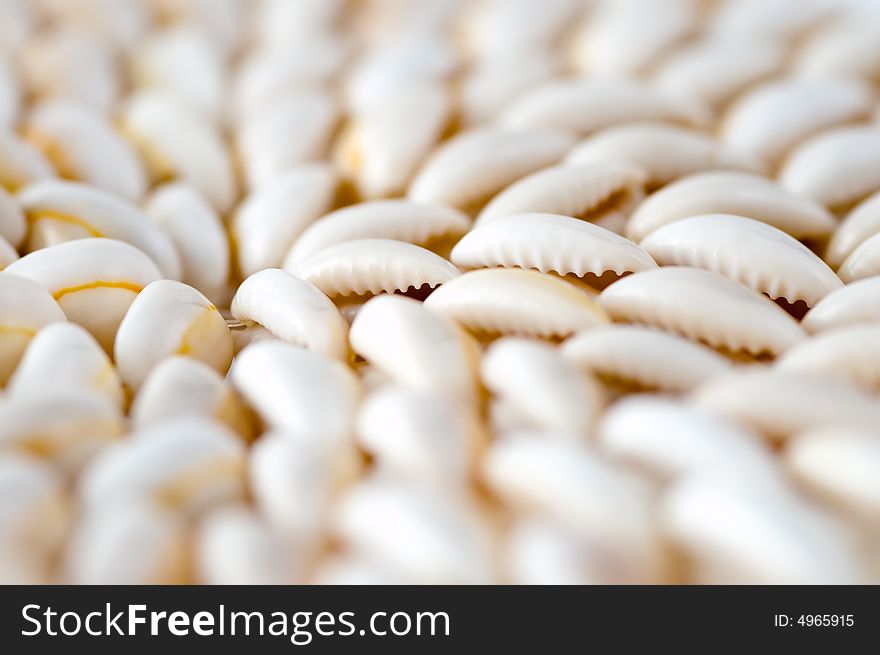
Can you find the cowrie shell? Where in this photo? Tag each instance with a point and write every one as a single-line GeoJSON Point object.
{"type": "Point", "coordinates": [373, 266]}
{"type": "Point", "coordinates": [401, 220]}
{"type": "Point", "coordinates": [847, 49]}
{"type": "Point", "coordinates": [61, 211]}
{"type": "Point", "coordinates": [547, 242]}
{"type": "Point", "coordinates": [473, 166]}
{"type": "Point", "coordinates": [511, 301]}
{"type": "Point", "coordinates": [170, 318]}
{"type": "Point", "coordinates": [602, 193]}
{"type": "Point", "coordinates": [294, 310]}
{"type": "Point", "coordinates": [273, 217]}
{"type": "Point", "coordinates": [702, 305]}
{"type": "Point", "coordinates": [20, 165]}
{"type": "Point", "coordinates": [742, 194]}
{"type": "Point", "coordinates": [662, 152]}
{"type": "Point", "coordinates": [12, 223]}
{"type": "Point", "coordinates": [416, 348]}
{"type": "Point", "coordinates": [93, 280]}
{"type": "Point", "coordinates": [8, 254]}
{"type": "Point", "coordinates": [851, 353]}
{"type": "Point", "coordinates": [863, 262]}
{"type": "Point", "coordinates": [758, 255]}
{"type": "Point", "coordinates": [856, 303]}
{"type": "Point", "coordinates": [857, 226]}
{"type": "Point", "coordinates": [25, 307]}
{"type": "Point", "coordinates": [646, 357]}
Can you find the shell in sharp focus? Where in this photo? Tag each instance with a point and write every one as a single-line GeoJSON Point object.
{"type": "Point", "coordinates": [93, 280]}
{"type": "Point", "coordinates": [758, 255]}
{"type": "Point", "coordinates": [646, 357]}
{"type": "Point", "coordinates": [705, 306]}
{"type": "Point", "coordinates": [187, 464]}
{"type": "Point", "coordinates": [863, 262]}
{"type": "Point", "coordinates": [781, 403]}
{"type": "Point", "coordinates": [548, 242]}
{"type": "Point", "coordinates": [851, 353]}
{"type": "Point", "coordinates": [297, 390]}
{"type": "Point", "coordinates": [836, 168]}
{"type": "Point", "coordinates": [21, 164]}
{"type": "Point", "coordinates": [170, 318]}
{"type": "Point", "coordinates": [548, 390]}
{"type": "Point", "coordinates": [61, 357]}
{"type": "Point", "coordinates": [373, 266]}
{"type": "Point", "coordinates": [604, 193]}
{"type": "Point", "coordinates": [742, 194]}
{"type": "Point", "coordinates": [13, 225]}
{"type": "Point", "coordinates": [401, 220]}
{"type": "Point", "coordinates": [416, 348]}
{"type": "Point", "coordinates": [473, 166]}
{"type": "Point", "coordinates": [856, 303]}
{"type": "Point", "coordinates": [582, 106]}
{"type": "Point", "coordinates": [294, 310]}
{"type": "Point", "coordinates": [856, 227]}
{"type": "Point", "coordinates": [271, 218]}
{"type": "Point", "coordinates": [59, 211]}
{"type": "Point", "coordinates": [769, 121]}
{"type": "Point", "coordinates": [662, 152]}
{"type": "Point", "coordinates": [511, 301]}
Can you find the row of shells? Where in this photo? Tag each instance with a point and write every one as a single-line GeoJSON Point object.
{"type": "Point", "coordinates": [439, 291]}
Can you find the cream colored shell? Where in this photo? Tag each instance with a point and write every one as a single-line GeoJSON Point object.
{"type": "Point", "coordinates": [851, 353]}
{"type": "Point", "coordinates": [12, 222]}
{"type": "Point", "coordinates": [863, 262]}
{"type": "Point", "coordinates": [21, 163]}
{"type": "Point", "coordinates": [856, 303]}
{"type": "Point", "coordinates": [857, 227]}
{"type": "Point", "coordinates": [8, 254]}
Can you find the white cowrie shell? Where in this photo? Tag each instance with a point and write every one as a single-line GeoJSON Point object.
{"type": "Point", "coordinates": [372, 266]}
{"type": "Point", "coordinates": [272, 218]}
{"type": "Point", "coordinates": [863, 262]}
{"type": "Point", "coordinates": [758, 255]}
{"type": "Point", "coordinates": [234, 545]}
{"type": "Point", "coordinates": [197, 233]}
{"type": "Point", "coordinates": [743, 194]}
{"type": "Point", "coordinates": [514, 301]}
{"type": "Point", "coordinates": [770, 120]}
{"type": "Point", "coordinates": [646, 357]}
{"type": "Point", "coordinates": [82, 145]}
{"type": "Point", "coordinates": [835, 168]}
{"type": "Point", "coordinates": [601, 193]}
{"type": "Point", "coordinates": [581, 106]}
{"type": "Point", "coordinates": [174, 140]}
{"type": "Point", "coordinates": [401, 220]}
{"type": "Point", "coordinates": [61, 211]}
{"type": "Point", "coordinates": [857, 226]}
{"type": "Point", "coordinates": [12, 222]}
{"type": "Point", "coordinates": [8, 254]}
{"type": "Point", "coordinates": [65, 428]}
{"type": "Point", "coordinates": [297, 390]}
{"type": "Point", "coordinates": [416, 436]}
{"type": "Point", "coordinates": [381, 149]}
{"type": "Point", "coordinates": [294, 310]}
{"type": "Point", "coordinates": [170, 318]}
{"type": "Point", "coordinates": [847, 49]}
{"type": "Point", "coordinates": [416, 348]}
{"type": "Point", "coordinates": [186, 464]}
{"type": "Point", "coordinates": [474, 165]}
{"type": "Point", "coordinates": [20, 164]}
{"type": "Point", "coordinates": [780, 403]}
{"type": "Point", "coordinates": [544, 386]}
{"type": "Point", "coordinates": [672, 439]}
{"type": "Point", "coordinates": [438, 537]}
{"type": "Point", "coordinates": [25, 307]}
{"type": "Point", "coordinates": [93, 280]}
{"type": "Point", "coordinates": [852, 353]}
{"type": "Point", "coordinates": [33, 507]}
{"type": "Point", "coordinates": [856, 303]}
{"type": "Point", "coordinates": [181, 386]}
{"type": "Point", "coordinates": [63, 357]}
{"type": "Point", "coordinates": [840, 464]}
{"type": "Point", "coordinates": [662, 153]}
{"type": "Point", "coordinates": [547, 242]}
{"type": "Point", "coordinates": [705, 306]}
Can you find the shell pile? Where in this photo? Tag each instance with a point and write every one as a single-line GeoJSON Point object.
{"type": "Point", "coordinates": [439, 291]}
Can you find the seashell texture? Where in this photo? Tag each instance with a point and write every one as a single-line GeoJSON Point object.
{"type": "Point", "coordinates": [742, 194]}
{"type": "Point", "coordinates": [857, 227]}
{"type": "Point", "coordinates": [170, 318]}
{"type": "Point", "coordinates": [760, 256]}
{"type": "Point", "coordinates": [851, 353]}
{"type": "Point", "coordinates": [510, 301]}
{"type": "Point", "coordinates": [373, 266]}
{"type": "Point", "coordinates": [294, 310]}
{"type": "Point", "coordinates": [645, 357]}
{"type": "Point", "coordinates": [401, 220]}
{"type": "Point", "coordinates": [662, 152]}
{"type": "Point", "coordinates": [548, 242]}
{"type": "Point", "coordinates": [93, 280]}
{"type": "Point", "coordinates": [704, 306]}
{"type": "Point", "coordinates": [601, 193]}
{"type": "Point", "coordinates": [863, 262]}
{"type": "Point", "coordinates": [856, 303]}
